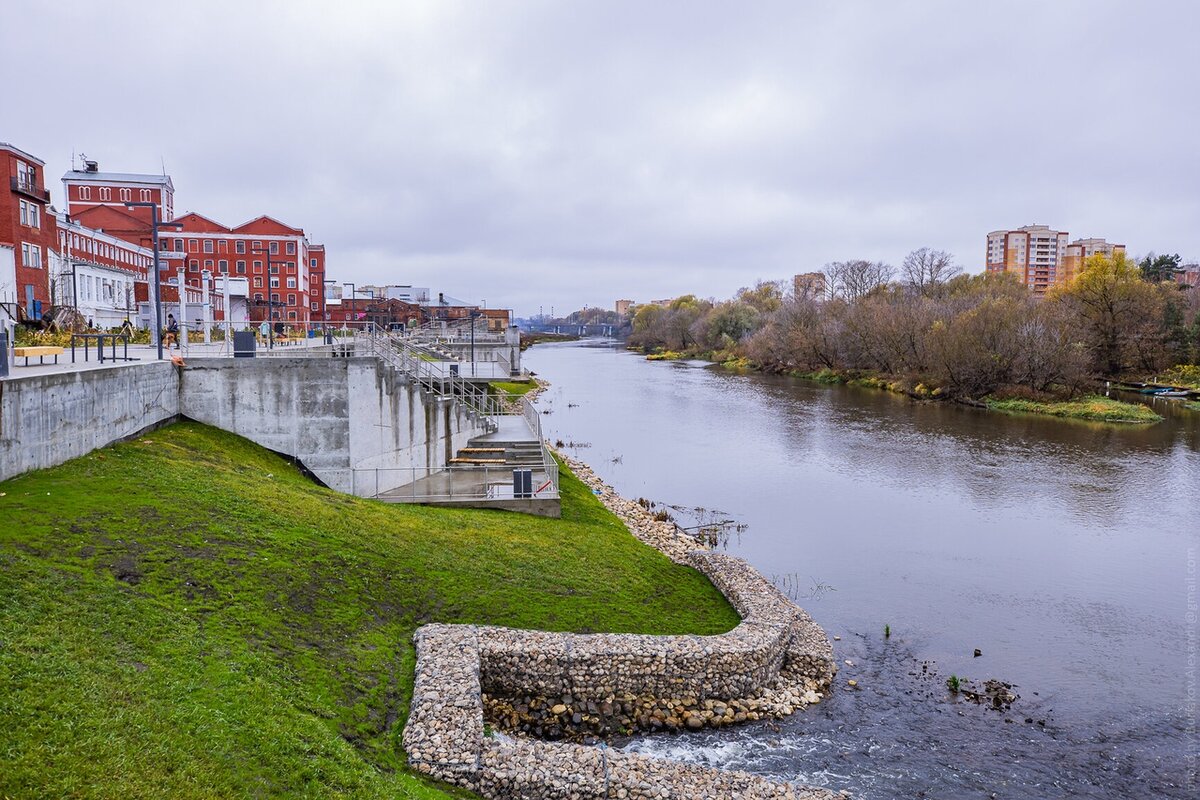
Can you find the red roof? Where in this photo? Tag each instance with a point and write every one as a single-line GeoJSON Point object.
{"type": "Point", "coordinates": [268, 226]}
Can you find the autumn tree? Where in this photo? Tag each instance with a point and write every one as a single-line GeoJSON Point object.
{"type": "Point", "coordinates": [1119, 314]}
{"type": "Point", "coordinates": [854, 280]}
{"type": "Point", "coordinates": [925, 270]}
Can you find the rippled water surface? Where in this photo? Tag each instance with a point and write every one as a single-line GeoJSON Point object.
{"type": "Point", "coordinates": [1058, 549]}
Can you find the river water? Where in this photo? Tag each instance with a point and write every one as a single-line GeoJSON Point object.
{"type": "Point", "coordinates": [1065, 552]}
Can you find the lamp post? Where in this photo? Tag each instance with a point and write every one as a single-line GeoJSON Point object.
{"type": "Point", "coordinates": [157, 277]}
{"type": "Point", "coordinates": [353, 305]}
{"type": "Point", "coordinates": [473, 315]}
{"type": "Point", "coordinates": [270, 301]}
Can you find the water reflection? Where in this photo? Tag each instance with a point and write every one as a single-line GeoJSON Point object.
{"type": "Point", "coordinates": [1056, 548]}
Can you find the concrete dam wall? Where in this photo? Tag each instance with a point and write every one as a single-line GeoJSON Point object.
{"type": "Point", "coordinates": [356, 423]}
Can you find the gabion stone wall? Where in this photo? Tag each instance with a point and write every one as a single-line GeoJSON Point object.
{"type": "Point", "coordinates": [560, 685]}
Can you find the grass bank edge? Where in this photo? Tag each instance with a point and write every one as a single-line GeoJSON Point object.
{"type": "Point", "coordinates": [225, 623]}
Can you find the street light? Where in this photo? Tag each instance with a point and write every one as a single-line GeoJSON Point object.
{"type": "Point", "coordinates": [473, 315]}
{"type": "Point", "coordinates": [325, 299]}
{"type": "Point", "coordinates": [157, 276]}
{"type": "Point", "coordinates": [270, 301]}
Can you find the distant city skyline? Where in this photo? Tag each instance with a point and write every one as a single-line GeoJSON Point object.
{"type": "Point", "coordinates": [533, 154]}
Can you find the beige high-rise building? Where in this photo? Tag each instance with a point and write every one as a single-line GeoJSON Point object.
{"type": "Point", "coordinates": [622, 307]}
{"type": "Point", "coordinates": [1078, 252]}
{"type": "Point", "coordinates": [1034, 253]}
{"type": "Point", "coordinates": [811, 285]}
{"type": "Point", "coordinates": [1041, 257]}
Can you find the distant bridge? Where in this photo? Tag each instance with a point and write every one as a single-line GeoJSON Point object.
{"type": "Point", "coordinates": [572, 329]}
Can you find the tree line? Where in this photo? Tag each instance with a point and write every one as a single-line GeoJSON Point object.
{"type": "Point", "coordinates": [927, 323]}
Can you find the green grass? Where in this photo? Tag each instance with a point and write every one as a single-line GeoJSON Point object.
{"type": "Point", "coordinates": [187, 616]}
{"type": "Point", "coordinates": [513, 388]}
{"type": "Point", "coordinates": [1192, 405]}
{"type": "Point", "coordinates": [1093, 407]}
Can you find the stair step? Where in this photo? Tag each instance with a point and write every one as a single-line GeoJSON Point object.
{"type": "Point", "coordinates": [482, 450]}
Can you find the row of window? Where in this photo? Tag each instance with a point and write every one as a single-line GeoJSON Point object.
{"type": "Point", "coordinates": [31, 214]}
{"type": "Point", "coordinates": [124, 195]}
{"type": "Point", "coordinates": [222, 246]}
{"type": "Point", "coordinates": [84, 244]}
{"type": "Point", "coordinates": [222, 266]}
{"type": "Point", "coordinates": [117, 292]}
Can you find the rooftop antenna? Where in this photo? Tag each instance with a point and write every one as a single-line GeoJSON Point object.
{"type": "Point", "coordinates": [163, 161]}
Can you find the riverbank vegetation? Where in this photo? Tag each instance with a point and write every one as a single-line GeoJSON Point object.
{"type": "Point", "coordinates": [931, 332]}
{"type": "Point", "coordinates": [185, 615]}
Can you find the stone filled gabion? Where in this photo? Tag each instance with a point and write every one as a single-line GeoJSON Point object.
{"type": "Point", "coordinates": [580, 686]}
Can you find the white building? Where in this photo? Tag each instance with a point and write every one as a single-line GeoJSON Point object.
{"type": "Point", "coordinates": [97, 273]}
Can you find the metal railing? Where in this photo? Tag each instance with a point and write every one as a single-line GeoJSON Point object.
{"type": "Point", "coordinates": [455, 484]}
{"type": "Point", "coordinates": [433, 376]}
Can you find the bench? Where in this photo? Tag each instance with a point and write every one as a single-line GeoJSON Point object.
{"type": "Point", "coordinates": [40, 352]}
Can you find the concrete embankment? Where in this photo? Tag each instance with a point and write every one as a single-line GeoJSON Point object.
{"type": "Point", "coordinates": [355, 423]}
{"type": "Point", "coordinates": [562, 685]}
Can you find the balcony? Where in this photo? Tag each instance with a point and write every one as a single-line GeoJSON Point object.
{"type": "Point", "coordinates": [29, 189]}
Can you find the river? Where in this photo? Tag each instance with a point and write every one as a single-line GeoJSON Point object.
{"type": "Point", "coordinates": [1065, 552]}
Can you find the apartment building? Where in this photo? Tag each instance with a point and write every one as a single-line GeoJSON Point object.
{"type": "Point", "coordinates": [1041, 257]}
{"type": "Point", "coordinates": [1034, 253]}
{"type": "Point", "coordinates": [1080, 250]}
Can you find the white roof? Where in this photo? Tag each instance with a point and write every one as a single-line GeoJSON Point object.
{"type": "Point", "coordinates": [76, 175]}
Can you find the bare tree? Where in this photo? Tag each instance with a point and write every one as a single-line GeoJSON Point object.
{"type": "Point", "coordinates": [853, 280]}
{"type": "Point", "coordinates": [924, 270]}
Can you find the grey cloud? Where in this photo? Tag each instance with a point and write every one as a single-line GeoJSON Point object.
{"type": "Point", "coordinates": [570, 153]}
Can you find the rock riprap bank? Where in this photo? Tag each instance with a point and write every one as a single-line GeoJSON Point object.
{"type": "Point", "coordinates": [572, 686]}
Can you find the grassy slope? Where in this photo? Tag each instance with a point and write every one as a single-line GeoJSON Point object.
{"type": "Point", "coordinates": [513, 388]}
{"type": "Point", "coordinates": [187, 616]}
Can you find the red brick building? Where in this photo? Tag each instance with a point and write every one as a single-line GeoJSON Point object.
{"type": "Point", "coordinates": [89, 188]}
{"type": "Point", "coordinates": [28, 235]}
{"type": "Point", "coordinates": [276, 258]}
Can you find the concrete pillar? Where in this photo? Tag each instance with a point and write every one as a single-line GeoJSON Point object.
{"type": "Point", "coordinates": [205, 277]}
{"type": "Point", "coordinates": [182, 314]}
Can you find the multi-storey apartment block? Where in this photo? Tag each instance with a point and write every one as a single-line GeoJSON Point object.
{"type": "Point", "coordinates": [1033, 253]}
{"type": "Point", "coordinates": [1041, 257]}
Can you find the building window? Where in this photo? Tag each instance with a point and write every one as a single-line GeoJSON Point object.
{"type": "Point", "coordinates": [241, 268]}
{"type": "Point", "coordinates": [31, 255]}
{"type": "Point", "coordinates": [258, 266]}
{"type": "Point", "coordinates": [222, 246]}
{"type": "Point", "coordinates": [85, 193]}
{"type": "Point", "coordinates": [193, 245]}
{"type": "Point", "coordinates": [314, 306]}
{"type": "Point", "coordinates": [258, 282]}
{"type": "Point", "coordinates": [223, 266]}
{"type": "Point", "coordinates": [179, 245]}
{"type": "Point", "coordinates": [312, 262]}
{"type": "Point", "coordinates": [274, 269]}
{"type": "Point", "coordinates": [291, 315]}
{"type": "Point", "coordinates": [291, 248]}
{"type": "Point", "coordinates": [105, 193]}
{"type": "Point", "coordinates": [291, 266]}
{"type": "Point", "coordinates": [240, 246]}
{"type": "Point", "coordinates": [274, 248]}
{"type": "Point", "coordinates": [274, 283]}
{"type": "Point", "coordinates": [208, 245]}
{"type": "Point", "coordinates": [193, 266]}
{"type": "Point", "coordinates": [208, 264]}
{"type": "Point", "coordinates": [291, 283]}
{"type": "Point", "coordinates": [127, 195]}
{"type": "Point", "coordinates": [291, 299]}
{"type": "Point", "coordinates": [258, 296]}
{"type": "Point", "coordinates": [274, 297]}
{"type": "Point", "coordinates": [145, 195]}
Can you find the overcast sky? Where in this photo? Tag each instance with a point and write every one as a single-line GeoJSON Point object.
{"type": "Point", "coordinates": [566, 153]}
